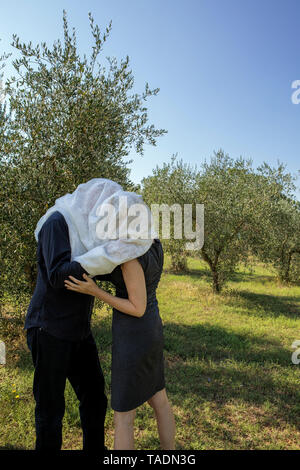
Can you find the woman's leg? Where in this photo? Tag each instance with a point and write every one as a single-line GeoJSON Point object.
{"type": "Point", "coordinates": [165, 419]}
{"type": "Point", "coordinates": [124, 436]}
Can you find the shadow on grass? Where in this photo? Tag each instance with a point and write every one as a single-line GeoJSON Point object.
{"type": "Point", "coordinates": [256, 303]}
{"type": "Point", "coordinates": [264, 304]}
{"type": "Point", "coordinates": [240, 276]}
{"type": "Point", "coordinates": [237, 276]}
{"type": "Point", "coordinates": [193, 273]}
{"type": "Point", "coordinates": [216, 343]}
{"type": "Point", "coordinates": [11, 447]}
{"type": "Point", "coordinates": [209, 363]}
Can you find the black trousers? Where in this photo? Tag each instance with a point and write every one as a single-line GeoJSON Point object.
{"type": "Point", "coordinates": [55, 360]}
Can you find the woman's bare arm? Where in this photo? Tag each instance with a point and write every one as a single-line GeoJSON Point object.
{"type": "Point", "coordinates": [134, 279]}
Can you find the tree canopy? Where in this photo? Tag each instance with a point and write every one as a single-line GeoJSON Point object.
{"type": "Point", "coordinates": [65, 120]}
{"type": "Point", "coordinates": [243, 210]}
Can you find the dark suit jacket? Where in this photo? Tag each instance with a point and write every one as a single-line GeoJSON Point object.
{"type": "Point", "coordinates": [63, 313]}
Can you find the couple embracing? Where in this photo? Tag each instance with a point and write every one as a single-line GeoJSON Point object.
{"type": "Point", "coordinates": [72, 253]}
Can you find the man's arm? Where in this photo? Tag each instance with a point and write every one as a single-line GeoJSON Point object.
{"type": "Point", "coordinates": [134, 278]}
{"type": "Point", "coordinates": [56, 251]}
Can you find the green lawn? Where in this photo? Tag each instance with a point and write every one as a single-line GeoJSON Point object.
{"type": "Point", "coordinates": [228, 365]}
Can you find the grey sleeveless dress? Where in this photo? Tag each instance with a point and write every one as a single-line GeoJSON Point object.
{"type": "Point", "coordinates": [137, 349]}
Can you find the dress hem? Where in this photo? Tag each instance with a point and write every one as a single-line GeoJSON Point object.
{"type": "Point", "coordinates": [141, 402]}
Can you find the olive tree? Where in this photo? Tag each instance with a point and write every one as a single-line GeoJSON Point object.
{"type": "Point", "coordinates": [284, 250]}
{"type": "Point", "coordinates": [67, 119]}
{"type": "Point", "coordinates": [279, 243]}
{"type": "Point", "coordinates": [172, 185]}
{"type": "Point", "coordinates": [238, 206]}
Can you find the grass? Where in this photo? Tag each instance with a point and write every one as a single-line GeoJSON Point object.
{"type": "Point", "coordinates": [228, 367]}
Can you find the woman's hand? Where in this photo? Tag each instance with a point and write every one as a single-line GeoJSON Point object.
{"type": "Point", "coordinates": [134, 279]}
{"type": "Point", "coordinates": [85, 287]}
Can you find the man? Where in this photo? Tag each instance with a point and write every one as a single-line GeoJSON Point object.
{"type": "Point", "coordinates": [62, 345]}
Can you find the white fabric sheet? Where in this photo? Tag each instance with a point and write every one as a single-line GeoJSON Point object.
{"type": "Point", "coordinates": [92, 212]}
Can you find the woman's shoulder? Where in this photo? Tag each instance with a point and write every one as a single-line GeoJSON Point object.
{"type": "Point", "coordinates": [153, 258]}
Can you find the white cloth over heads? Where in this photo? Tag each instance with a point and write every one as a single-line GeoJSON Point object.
{"type": "Point", "coordinates": [107, 225]}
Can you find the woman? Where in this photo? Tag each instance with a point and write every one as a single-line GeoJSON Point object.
{"type": "Point", "coordinates": [137, 351]}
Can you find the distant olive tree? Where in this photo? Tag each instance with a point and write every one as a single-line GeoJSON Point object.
{"type": "Point", "coordinates": [294, 272]}
{"type": "Point", "coordinates": [172, 184]}
{"type": "Point", "coordinates": [66, 119]}
{"type": "Point", "coordinates": [279, 243]}
{"type": "Point", "coordinates": [238, 203]}
{"type": "Point", "coordinates": [238, 207]}
{"type": "Point", "coordinates": [285, 241]}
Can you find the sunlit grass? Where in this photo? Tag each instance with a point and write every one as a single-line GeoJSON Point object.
{"type": "Point", "coordinates": [228, 367]}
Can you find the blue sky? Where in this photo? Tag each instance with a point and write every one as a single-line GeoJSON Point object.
{"type": "Point", "coordinates": [224, 69]}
